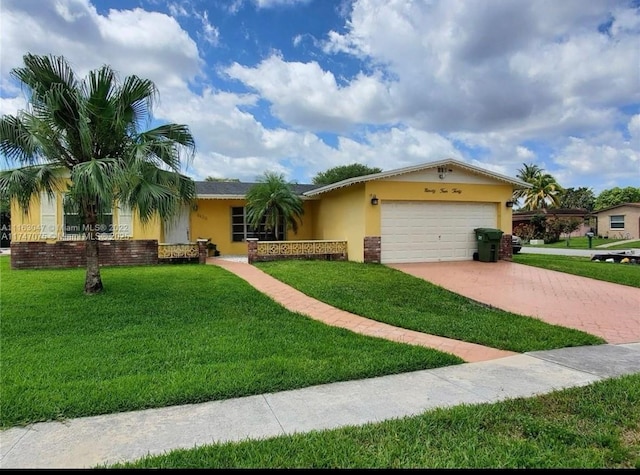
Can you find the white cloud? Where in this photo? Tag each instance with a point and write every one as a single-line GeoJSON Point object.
{"type": "Point", "coordinates": [11, 105]}
{"type": "Point", "coordinates": [278, 3]}
{"type": "Point", "coordinates": [306, 96]}
{"type": "Point", "coordinates": [634, 129]}
{"type": "Point", "coordinates": [607, 161]}
{"type": "Point", "coordinates": [149, 44]}
{"type": "Point", "coordinates": [210, 33]}
{"type": "Point", "coordinates": [509, 81]}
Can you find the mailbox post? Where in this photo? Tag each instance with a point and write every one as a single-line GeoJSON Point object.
{"type": "Point", "coordinates": [590, 237]}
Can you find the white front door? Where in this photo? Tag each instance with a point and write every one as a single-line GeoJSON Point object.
{"type": "Point", "coordinates": [416, 231]}
{"type": "Point", "coordinates": [176, 230]}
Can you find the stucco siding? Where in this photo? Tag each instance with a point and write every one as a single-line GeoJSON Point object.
{"type": "Point", "coordinates": [44, 221]}
{"type": "Point", "coordinates": [631, 228]}
{"type": "Point", "coordinates": [212, 220]}
{"type": "Point", "coordinates": [438, 192]}
{"type": "Point", "coordinates": [341, 215]}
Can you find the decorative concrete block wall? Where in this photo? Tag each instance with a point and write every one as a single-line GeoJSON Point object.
{"type": "Point", "coordinates": [263, 251]}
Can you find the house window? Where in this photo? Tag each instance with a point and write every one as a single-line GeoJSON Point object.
{"type": "Point", "coordinates": [616, 221]}
{"type": "Point", "coordinates": [240, 229]}
{"type": "Point", "coordinates": [74, 225]}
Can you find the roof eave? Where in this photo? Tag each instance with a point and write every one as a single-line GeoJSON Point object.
{"type": "Point", "coordinates": [518, 184]}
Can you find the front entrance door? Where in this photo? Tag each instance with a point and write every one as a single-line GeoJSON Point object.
{"type": "Point", "coordinates": [176, 231]}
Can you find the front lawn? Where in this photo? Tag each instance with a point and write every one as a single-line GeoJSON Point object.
{"type": "Point", "coordinates": [577, 242]}
{"type": "Point", "coordinates": [625, 274]}
{"type": "Point", "coordinates": [628, 245]}
{"type": "Point", "coordinates": [165, 335]}
{"type": "Point", "coordinates": [381, 293]}
{"type": "Point", "coordinates": [582, 242]}
{"type": "Point", "coordinates": [597, 426]}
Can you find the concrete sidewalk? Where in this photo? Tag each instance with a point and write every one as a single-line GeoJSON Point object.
{"type": "Point", "coordinates": [90, 441]}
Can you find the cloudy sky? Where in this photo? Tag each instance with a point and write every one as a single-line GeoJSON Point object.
{"type": "Point", "coordinates": [299, 86]}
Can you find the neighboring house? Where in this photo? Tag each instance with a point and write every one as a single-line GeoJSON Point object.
{"type": "Point", "coordinates": [619, 222]}
{"type": "Point", "coordinates": [520, 217]}
{"type": "Point", "coordinates": [420, 213]}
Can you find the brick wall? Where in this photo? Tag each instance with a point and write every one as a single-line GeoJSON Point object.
{"type": "Point", "coordinates": [372, 249]}
{"type": "Point", "coordinates": [252, 250]}
{"type": "Point", "coordinates": [506, 248]}
{"type": "Point", "coordinates": [40, 255]}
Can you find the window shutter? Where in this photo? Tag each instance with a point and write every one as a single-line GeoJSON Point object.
{"type": "Point", "coordinates": [48, 217]}
{"type": "Point", "coordinates": [125, 223]}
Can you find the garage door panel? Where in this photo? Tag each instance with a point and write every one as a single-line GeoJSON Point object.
{"type": "Point", "coordinates": [433, 231]}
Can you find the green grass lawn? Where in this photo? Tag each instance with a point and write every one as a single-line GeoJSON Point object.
{"type": "Point", "coordinates": [625, 274]}
{"type": "Point", "coordinates": [378, 292]}
{"type": "Point", "coordinates": [596, 426]}
{"type": "Point", "coordinates": [629, 245]}
{"type": "Point", "coordinates": [165, 335]}
{"type": "Point", "coordinates": [582, 242]}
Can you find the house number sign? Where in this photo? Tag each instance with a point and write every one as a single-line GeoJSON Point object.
{"type": "Point", "coordinates": [443, 190]}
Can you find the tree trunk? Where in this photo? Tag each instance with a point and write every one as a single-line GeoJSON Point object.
{"type": "Point", "coordinates": [93, 281]}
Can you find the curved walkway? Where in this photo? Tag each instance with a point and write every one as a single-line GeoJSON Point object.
{"type": "Point", "coordinates": [296, 301]}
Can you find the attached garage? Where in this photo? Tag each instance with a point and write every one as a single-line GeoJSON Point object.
{"type": "Point", "coordinates": [422, 213]}
{"type": "Point", "coordinates": [418, 231]}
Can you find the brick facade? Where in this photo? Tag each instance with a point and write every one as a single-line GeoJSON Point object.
{"type": "Point", "coordinates": [60, 254]}
{"type": "Point", "coordinates": [252, 250]}
{"type": "Point", "coordinates": [372, 249]}
{"type": "Point", "coordinates": [506, 248]}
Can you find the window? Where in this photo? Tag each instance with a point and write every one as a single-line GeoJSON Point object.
{"type": "Point", "coordinates": [74, 225]}
{"type": "Point", "coordinates": [240, 229]}
{"type": "Point", "coordinates": [616, 221]}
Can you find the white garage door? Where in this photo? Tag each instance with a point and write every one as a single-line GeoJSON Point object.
{"type": "Point", "coordinates": [415, 231]}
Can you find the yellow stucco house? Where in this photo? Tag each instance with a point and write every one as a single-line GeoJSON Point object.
{"type": "Point", "coordinates": [421, 213]}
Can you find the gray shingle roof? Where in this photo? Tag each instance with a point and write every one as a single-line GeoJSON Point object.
{"type": "Point", "coordinates": [234, 188]}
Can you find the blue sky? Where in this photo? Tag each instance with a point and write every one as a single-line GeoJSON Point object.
{"type": "Point", "coordinates": [299, 86]}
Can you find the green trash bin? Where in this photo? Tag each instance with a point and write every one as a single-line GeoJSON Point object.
{"type": "Point", "coordinates": [488, 240]}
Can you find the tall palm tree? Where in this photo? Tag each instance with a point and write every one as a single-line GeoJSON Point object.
{"type": "Point", "coordinates": [272, 204]}
{"type": "Point", "coordinates": [81, 137]}
{"type": "Point", "coordinates": [527, 173]}
{"type": "Point", "coordinates": [544, 193]}
{"type": "Point", "coordinates": [545, 190]}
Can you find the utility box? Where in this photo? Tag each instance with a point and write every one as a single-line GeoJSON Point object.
{"type": "Point", "coordinates": [488, 240]}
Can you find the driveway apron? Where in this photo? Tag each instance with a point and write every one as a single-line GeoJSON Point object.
{"type": "Point", "coordinates": [611, 311]}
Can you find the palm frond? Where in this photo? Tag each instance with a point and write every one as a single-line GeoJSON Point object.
{"type": "Point", "coordinates": [23, 184]}
{"type": "Point", "coordinates": [16, 142]}
{"type": "Point", "coordinates": [163, 145]}
{"type": "Point", "coordinates": [272, 202]}
{"type": "Point", "coordinates": [151, 190]}
{"type": "Point", "coordinates": [134, 101]}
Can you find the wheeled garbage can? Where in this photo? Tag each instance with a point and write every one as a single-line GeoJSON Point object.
{"type": "Point", "coordinates": [488, 240]}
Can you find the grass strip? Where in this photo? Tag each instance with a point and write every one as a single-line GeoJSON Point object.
{"type": "Point", "coordinates": [625, 274]}
{"type": "Point", "coordinates": [381, 293]}
{"type": "Point", "coordinates": [596, 426]}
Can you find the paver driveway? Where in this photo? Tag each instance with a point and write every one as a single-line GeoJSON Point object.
{"type": "Point", "coordinates": [611, 311]}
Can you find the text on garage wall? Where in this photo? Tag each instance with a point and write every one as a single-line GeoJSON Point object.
{"type": "Point", "coordinates": [443, 190]}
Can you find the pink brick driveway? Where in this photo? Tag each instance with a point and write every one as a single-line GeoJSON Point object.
{"type": "Point", "coordinates": [610, 311]}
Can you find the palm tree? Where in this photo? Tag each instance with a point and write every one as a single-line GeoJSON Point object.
{"type": "Point", "coordinates": [545, 192]}
{"type": "Point", "coordinates": [527, 174]}
{"type": "Point", "coordinates": [81, 137]}
{"type": "Point", "coordinates": [272, 204]}
{"type": "Point", "coordinates": [545, 189]}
